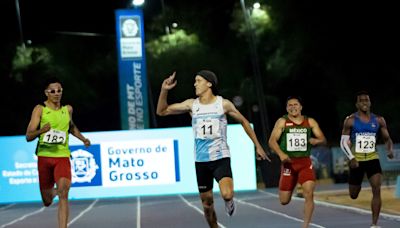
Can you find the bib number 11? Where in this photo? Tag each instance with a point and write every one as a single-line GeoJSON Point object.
{"type": "Point", "coordinates": [208, 129]}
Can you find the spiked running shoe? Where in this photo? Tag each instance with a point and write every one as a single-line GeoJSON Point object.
{"type": "Point", "coordinates": [230, 207]}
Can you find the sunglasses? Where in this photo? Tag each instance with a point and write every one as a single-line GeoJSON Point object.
{"type": "Point", "coordinates": [53, 91]}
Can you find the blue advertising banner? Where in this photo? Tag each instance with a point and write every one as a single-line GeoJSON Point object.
{"type": "Point", "coordinates": [340, 166]}
{"type": "Point", "coordinates": [132, 69]}
{"type": "Point", "coordinates": [123, 164]}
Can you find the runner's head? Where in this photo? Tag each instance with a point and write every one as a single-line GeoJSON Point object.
{"type": "Point", "coordinates": [211, 78]}
{"type": "Point", "coordinates": [53, 89]}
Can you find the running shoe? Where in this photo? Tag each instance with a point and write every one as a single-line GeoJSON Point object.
{"type": "Point", "coordinates": [230, 207]}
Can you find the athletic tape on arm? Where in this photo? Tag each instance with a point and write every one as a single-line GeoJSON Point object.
{"type": "Point", "coordinates": [345, 147]}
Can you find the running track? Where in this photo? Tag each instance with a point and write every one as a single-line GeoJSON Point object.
{"type": "Point", "coordinates": [254, 209]}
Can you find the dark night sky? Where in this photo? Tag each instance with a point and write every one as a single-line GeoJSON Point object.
{"type": "Point", "coordinates": [364, 24]}
{"type": "Point", "coordinates": [358, 37]}
{"type": "Point", "coordinates": [43, 17]}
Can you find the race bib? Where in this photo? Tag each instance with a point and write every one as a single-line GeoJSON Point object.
{"type": "Point", "coordinates": [296, 142]}
{"type": "Point", "coordinates": [54, 137]}
{"type": "Point", "coordinates": [207, 128]}
{"type": "Point", "coordinates": [365, 143]}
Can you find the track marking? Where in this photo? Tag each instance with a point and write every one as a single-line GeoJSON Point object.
{"type": "Point", "coordinates": [196, 208]}
{"type": "Point", "coordinates": [83, 212]}
{"type": "Point", "coordinates": [138, 222]}
{"type": "Point", "coordinates": [23, 217]}
{"type": "Point", "coordinates": [276, 212]}
{"type": "Point", "coordinates": [338, 206]}
{"type": "Point", "coordinates": [8, 206]}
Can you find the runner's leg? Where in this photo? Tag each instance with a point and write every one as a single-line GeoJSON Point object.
{"type": "Point", "coordinates": [376, 201]}
{"type": "Point", "coordinates": [207, 201]}
{"type": "Point", "coordinates": [308, 193]}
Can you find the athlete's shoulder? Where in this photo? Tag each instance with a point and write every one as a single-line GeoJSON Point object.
{"type": "Point", "coordinates": [350, 117]}
{"type": "Point", "coordinates": [190, 101]}
{"type": "Point", "coordinates": [39, 106]}
{"type": "Point", "coordinates": [228, 105]}
{"type": "Point", "coordinates": [224, 100]}
{"type": "Point", "coordinates": [38, 109]}
{"type": "Point", "coordinates": [376, 116]}
{"type": "Point", "coordinates": [380, 119]}
{"type": "Point", "coordinates": [69, 107]}
{"type": "Point", "coordinates": [349, 121]}
{"type": "Point", "coordinates": [310, 119]}
{"type": "Point", "coordinates": [281, 121]}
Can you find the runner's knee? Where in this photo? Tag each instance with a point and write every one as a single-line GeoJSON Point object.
{"type": "Point", "coordinates": [284, 201]}
{"type": "Point", "coordinates": [354, 195]}
{"type": "Point", "coordinates": [308, 194]}
{"type": "Point", "coordinates": [207, 204]}
{"type": "Point", "coordinates": [207, 201]}
{"type": "Point", "coordinates": [227, 195]}
{"type": "Point", "coordinates": [62, 193]}
{"type": "Point", "coordinates": [47, 203]}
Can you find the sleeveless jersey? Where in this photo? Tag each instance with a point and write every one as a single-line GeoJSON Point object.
{"type": "Point", "coordinates": [363, 138]}
{"type": "Point", "coordinates": [209, 127]}
{"type": "Point", "coordinates": [295, 138]}
{"type": "Point", "coordinates": [54, 143]}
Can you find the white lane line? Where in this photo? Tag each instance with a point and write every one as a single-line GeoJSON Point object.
{"type": "Point", "coordinates": [197, 209]}
{"type": "Point", "coordinates": [276, 212]}
{"type": "Point", "coordinates": [22, 217]}
{"type": "Point", "coordinates": [83, 212]}
{"type": "Point", "coordinates": [338, 206]}
{"type": "Point", "coordinates": [358, 210]}
{"type": "Point", "coordinates": [8, 206]}
{"type": "Point", "coordinates": [138, 222]}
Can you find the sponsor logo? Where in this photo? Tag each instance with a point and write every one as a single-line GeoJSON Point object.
{"type": "Point", "coordinates": [130, 28]}
{"type": "Point", "coordinates": [286, 172]}
{"type": "Point", "coordinates": [85, 166]}
{"type": "Point", "coordinates": [298, 130]}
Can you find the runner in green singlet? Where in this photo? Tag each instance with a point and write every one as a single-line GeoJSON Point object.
{"type": "Point", "coordinates": [52, 123]}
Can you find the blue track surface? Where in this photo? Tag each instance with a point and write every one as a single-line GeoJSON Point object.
{"type": "Point", "coordinates": [254, 209]}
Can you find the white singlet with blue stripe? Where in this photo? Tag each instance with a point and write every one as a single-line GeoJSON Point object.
{"type": "Point", "coordinates": [209, 127]}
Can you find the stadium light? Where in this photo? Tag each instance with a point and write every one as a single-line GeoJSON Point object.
{"type": "Point", "coordinates": [137, 2]}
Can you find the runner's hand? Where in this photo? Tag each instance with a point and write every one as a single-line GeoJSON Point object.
{"type": "Point", "coordinates": [390, 154]}
{"type": "Point", "coordinates": [261, 155]}
{"type": "Point", "coordinates": [169, 82]}
{"type": "Point", "coordinates": [285, 158]}
{"type": "Point", "coordinates": [45, 128]}
{"type": "Point", "coordinates": [353, 163]}
{"type": "Point", "coordinates": [86, 142]}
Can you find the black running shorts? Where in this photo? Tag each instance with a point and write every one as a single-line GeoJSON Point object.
{"type": "Point", "coordinates": [370, 168]}
{"type": "Point", "coordinates": [207, 171]}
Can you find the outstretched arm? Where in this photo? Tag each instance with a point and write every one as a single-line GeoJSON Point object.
{"type": "Point", "coordinates": [73, 129]}
{"type": "Point", "coordinates": [231, 110]}
{"type": "Point", "coordinates": [163, 108]}
{"type": "Point", "coordinates": [386, 137]}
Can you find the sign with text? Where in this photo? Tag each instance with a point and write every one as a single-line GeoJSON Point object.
{"type": "Point", "coordinates": [132, 163]}
{"type": "Point", "coordinates": [122, 164]}
{"type": "Point", "coordinates": [132, 69]}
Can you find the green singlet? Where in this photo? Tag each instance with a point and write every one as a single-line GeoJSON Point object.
{"type": "Point", "coordinates": [54, 143]}
{"type": "Point", "coordinates": [295, 138]}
